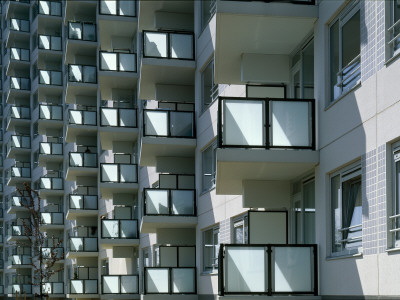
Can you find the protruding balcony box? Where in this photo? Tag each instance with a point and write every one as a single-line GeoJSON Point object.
{"type": "Point", "coordinates": [54, 289]}
{"type": "Point", "coordinates": [16, 29]}
{"type": "Point", "coordinates": [167, 133]}
{"type": "Point", "coordinates": [81, 36]}
{"type": "Point", "coordinates": [81, 80]}
{"type": "Point", "coordinates": [18, 60]}
{"type": "Point", "coordinates": [83, 202]}
{"type": "Point", "coordinates": [50, 8]}
{"type": "Point", "coordinates": [21, 289]}
{"type": "Point", "coordinates": [118, 8]}
{"type": "Point", "coordinates": [168, 58]}
{"type": "Point", "coordinates": [176, 274]}
{"type": "Point", "coordinates": [247, 42]}
{"type": "Point", "coordinates": [51, 186]}
{"type": "Point", "coordinates": [51, 220]}
{"type": "Point", "coordinates": [18, 144]}
{"type": "Point", "coordinates": [53, 245]}
{"type": "Point", "coordinates": [264, 139]}
{"type": "Point", "coordinates": [19, 173]}
{"type": "Point", "coordinates": [16, 202]}
{"type": "Point", "coordinates": [82, 120]}
{"type": "Point", "coordinates": [82, 242]}
{"type": "Point", "coordinates": [244, 270]}
{"type": "Point", "coordinates": [16, 230]}
{"type": "Point", "coordinates": [50, 152]}
{"type": "Point", "coordinates": [48, 116]}
{"type": "Point", "coordinates": [85, 284]}
{"type": "Point", "coordinates": [82, 164]}
{"type": "Point", "coordinates": [117, 124]}
{"type": "Point", "coordinates": [17, 87]}
{"type": "Point", "coordinates": [18, 116]}
{"type": "Point", "coordinates": [172, 205]}
{"type": "Point", "coordinates": [120, 285]}
{"type": "Point", "coordinates": [20, 257]}
{"type": "Point", "coordinates": [118, 177]}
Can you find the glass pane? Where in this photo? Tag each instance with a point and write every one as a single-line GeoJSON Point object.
{"type": "Point", "coordinates": [75, 31]}
{"type": "Point", "coordinates": [187, 257]}
{"type": "Point", "coordinates": [129, 229]}
{"type": "Point", "coordinates": [207, 84]}
{"type": "Point", "coordinates": [90, 286]}
{"type": "Point", "coordinates": [157, 202]}
{"type": "Point", "coordinates": [309, 212]}
{"type": "Point", "coordinates": [89, 117]}
{"type": "Point", "coordinates": [89, 32]}
{"type": "Point", "coordinates": [127, 8]}
{"type": "Point", "coordinates": [44, 7]}
{"type": "Point", "coordinates": [108, 61]}
{"type": "Point", "coordinates": [75, 73]}
{"type": "Point", "coordinates": [397, 200]}
{"type": "Point", "coordinates": [157, 280]}
{"type": "Point", "coordinates": [109, 117]}
{"type": "Point", "coordinates": [109, 173]}
{"type": "Point", "coordinates": [155, 44]}
{"type": "Point", "coordinates": [111, 284]}
{"type": "Point", "coordinates": [182, 202]}
{"type": "Point", "coordinates": [127, 62]}
{"type": "Point", "coordinates": [156, 123]}
{"type": "Point", "coordinates": [337, 216]}
{"type": "Point", "coordinates": [76, 286]}
{"type": "Point", "coordinates": [290, 124]}
{"type": "Point", "coordinates": [334, 60]}
{"type": "Point", "coordinates": [110, 229]}
{"type": "Point", "coordinates": [129, 285]}
{"type": "Point", "coordinates": [183, 280]}
{"type": "Point", "coordinates": [181, 46]}
{"type": "Point", "coordinates": [44, 77]}
{"type": "Point", "coordinates": [308, 71]}
{"type": "Point", "coordinates": [90, 244]}
{"type": "Point", "coordinates": [44, 42]}
{"type": "Point", "coordinates": [128, 173]}
{"type": "Point", "coordinates": [89, 74]}
{"type": "Point", "coordinates": [56, 43]}
{"type": "Point", "coordinates": [108, 7]}
{"type": "Point", "coordinates": [127, 117]}
{"type": "Point", "coordinates": [181, 124]}
{"type": "Point", "coordinates": [90, 202]}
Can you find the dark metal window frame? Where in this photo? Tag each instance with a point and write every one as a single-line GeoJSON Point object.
{"type": "Point", "coordinates": [120, 230]}
{"type": "Point", "coordinates": [118, 117]}
{"type": "Point", "coordinates": [51, 77]}
{"type": "Point", "coordinates": [221, 256]}
{"type": "Point", "coordinates": [170, 214]}
{"type": "Point", "coordinates": [267, 123]}
{"type": "Point", "coordinates": [168, 33]}
{"type": "Point", "coordinates": [118, 62]}
{"type": "Point", "coordinates": [118, 172]}
{"type": "Point", "coordinates": [82, 23]}
{"type": "Point", "coordinates": [118, 14]}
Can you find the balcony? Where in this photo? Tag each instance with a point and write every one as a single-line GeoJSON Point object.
{"type": "Point", "coordinates": [56, 249]}
{"type": "Point", "coordinates": [18, 144]}
{"type": "Point", "coordinates": [167, 133]}
{"type": "Point", "coordinates": [247, 151]}
{"type": "Point", "coordinates": [51, 221]}
{"type": "Point", "coordinates": [50, 8]}
{"type": "Point", "coordinates": [18, 116]}
{"type": "Point", "coordinates": [19, 173]}
{"type": "Point", "coordinates": [81, 36]}
{"type": "Point", "coordinates": [21, 289]}
{"type": "Point", "coordinates": [16, 230]}
{"type": "Point", "coordinates": [49, 116]}
{"type": "Point", "coordinates": [53, 288]}
{"type": "Point", "coordinates": [120, 284]}
{"type": "Point", "coordinates": [16, 203]}
{"type": "Point", "coordinates": [17, 29]}
{"type": "Point", "coordinates": [168, 58]}
{"type": "Point", "coordinates": [82, 80]}
{"type": "Point", "coordinates": [244, 271]}
{"type": "Point", "coordinates": [82, 31]}
{"type": "Point", "coordinates": [118, 62]}
{"type": "Point", "coordinates": [119, 8]}
{"type": "Point", "coordinates": [118, 177]}
{"type": "Point", "coordinates": [117, 124]}
{"type": "Point", "coordinates": [20, 257]}
{"type": "Point", "coordinates": [169, 280]}
{"type": "Point", "coordinates": [50, 152]}
{"type": "Point", "coordinates": [53, 78]}
{"type": "Point", "coordinates": [82, 120]}
{"type": "Point", "coordinates": [50, 42]}
{"type": "Point", "coordinates": [117, 232]}
{"type": "Point", "coordinates": [83, 242]}
{"type": "Point", "coordinates": [82, 164]}
{"type": "Point", "coordinates": [83, 202]}
{"type": "Point", "coordinates": [263, 55]}
{"type": "Point", "coordinates": [19, 61]}
{"type": "Point", "coordinates": [18, 86]}
{"type": "Point", "coordinates": [84, 284]}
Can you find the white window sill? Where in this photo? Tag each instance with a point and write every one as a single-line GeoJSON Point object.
{"type": "Point", "coordinates": [342, 96]}
{"type": "Point", "coordinates": [344, 256]}
{"type": "Point", "coordinates": [213, 273]}
{"type": "Point", "coordinates": [392, 59]}
{"type": "Point", "coordinates": [393, 250]}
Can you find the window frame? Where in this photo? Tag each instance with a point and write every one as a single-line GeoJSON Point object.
{"type": "Point", "coordinates": [393, 241]}
{"type": "Point", "coordinates": [390, 38]}
{"type": "Point", "coordinates": [213, 147]}
{"type": "Point", "coordinates": [345, 174]}
{"type": "Point", "coordinates": [343, 17]}
{"type": "Point", "coordinates": [215, 245]}
{"type": "Point", "coordinates": [205, 106]}
{"type": "Point", "coordinates": [241, 221]}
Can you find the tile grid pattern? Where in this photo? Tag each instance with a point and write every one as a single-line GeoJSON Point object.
{"type": "Point", "coordinates": [381, 198]}
{"type": "Point", "coordinates": [225, 231]}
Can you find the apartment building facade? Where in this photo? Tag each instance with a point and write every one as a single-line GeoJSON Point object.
{"type": "Point", "coordinates": [203, 149]}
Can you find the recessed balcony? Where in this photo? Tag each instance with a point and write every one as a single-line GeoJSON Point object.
{"type": "Point", "coordinates": [21, 289]}
{"type": "Point", "coordinates": [19, 173]}
{"type": "Point", "coordinates": [82, 120]}
{"type": "Point", "coordinates": [50, 44]}
{"type": "Point", "coordinates": [51, 221]}
{"type": "Point", "coordinates": [117, 124]}
{"type": "Point", "coordinates": [50, 152]}
{"type": "Point", "coordinates": [18, 87]}
{"type": "Point", "coordinates": [1, 137]}
{"type": "Point", "coordinates": [119, 232]}
{"type": "Point", "coordinates": [50, 8]}
{"type": "Point", "coordinates": [18, 116]}
{"type": "Point", "coordinates": [82, 80]}
{"type": "Point", "coordinates": [83, 202]}
{"type": "Point", "coordinates": [81, 38]}
{"type": "Point", "coordinates": [50, 78]}
{"type": "Point", "coordinates": [264, 139]}
{"type": "Point", "coordinates": [17, 231]}
{"type": "Point", "coordinates": [18, 145]}
{"type": "Point", "coordinates": [16, 203]}
{"type": "Point", "coordinates": [53, 289]}
{"type": "Point", "coordinates": [85, 284]}
{"type": "Point", "coordinates": [18, 61]}
{"type": "Point", "coordinates": [49, 116]}
{"type": "Point", "coordinates": [81, 164]}
{"type": "Point", "coordinates": [167, 133]}
{"type": "Point", "coordinates": [118, 177]}
{"type": "Point", "coordinates": [168, 58]}
{"type": "Point", "coordinates": [20, 257]}
{"type": "Point", "coordinates": [119, 285]}
{"type": "Point", "coordinates": [16, 29]}
{"type": "Point", "coordinates": [170, 281]}
{"type": "Point", "coordinates": [82, 242]}
{"type": "Point", "coordinates": [245, 272]}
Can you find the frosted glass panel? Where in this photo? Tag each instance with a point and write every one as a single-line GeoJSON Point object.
{"type": "Point", "coordinates": [128, 229]}
{"type": "Point", "coordinates": [75, 31]}
{"type": "Point", "coordinates": [246, 269]}
{"type": "Point", "coordinates": [183, 280]}
{"type": "Point", "coordinates": [156, 123]}
{"type": "Point", "coordinates": [90, 159]}
{"type": "Point", "coordinates": [127, 62]}
{"type": "Point", "coordinates": [157, 281]}
{"type": "Point", "coordinates": [44, 77]}
{"type": "Point", "coordinates": [155, 44]}
{"type": "Point", "coordinates": [109, 117]}
{"type": "Point", "coordinates": [75, 73]}
{"type": "Point", "coordinates": [55, 43]}
{"type": "Point", "coordinates": [290, 123]}
{"type": "Point", "coordinates": [129, 285]}
{"type": "Point", "coordinates": [244, 123]}
{"type": "Point", "coordinates": [127, 117]}
{"type": "Point", "coordinates": [111, 284]}
{"type": "Point", "coordinates": [45, 112]}
{"type": "Point", "coordinates": [90, 286]}
{"type": "Point", "coordinates": [127, 8]}
{"type": "Point", "coordinates": [46, 218]}
{"type": "Point", "coordinates": [90, 202]}
{"type": "Point", "coordinates": [108, 61]}
{"type": "Point", "coordinates": [90, 244]}
{"type": "Point", "coordinates": [76, 286]}
{"type": "Point", "coordinates": [45, 148]}
{"type": "Point", "coordinates": [44, 42]}
{"type": "Point", "coordinates": [108, 7]}
{"type": "Point", "coordinates": [128, 173]}
{"type": "Point", "coordinates": [76, 244]}
{"type": "Point", "coordinates": [44, 7]}
{"type": "Point", "coordinates": [293, 269]}
{"type": "Point", "coordinates": [76, 160]}
{"type": "Point", "coordinates": [187, 256]}
{"type": "Point", "coordinates": [182, 202]}
{"type": "Point", "coordinates": [76, 201]}
{"type": "Point", "coordinates": [181, 124]}
{"type": "Point", "coordinates": [157, 202]}
{"type": "Point", "coordinates": [89, 117]}
{"type": "Point", "coordinates": [109, 173]}
{"type": "Point", "coordinates": [181, 46]}
{"type": "Point", "coordinates": [110, 229]}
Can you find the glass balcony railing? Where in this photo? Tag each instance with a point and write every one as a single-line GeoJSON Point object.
{"type": "Point", "coordinates": [50, 77]}
{"type": "Point", "coordinates": [20, 54]}
{"type": "Point", "coordinates": [48, 251]}
{"type": "Point", "coordinates": [19, 260]}
{"type": "Point", "coordinates": [19, 83]}
{"type": "Point", "coordinates": [49, 42]}
{"type": "Point", "coordinates": [19, 142]}
{"type": "Point", "coordinates": [83, 159]}
{"type": "Point", "coordinates": [170, 45]}
{"type": "Point", "coordinates": [87, 116]}
{"type": "Point", "coordinates": [51, 148]}
{"type": "Point", "coordinates": [20, 112]}
{"type": "Point", "coordinates": [83, 74]}
{"type": "Point", "coordinates": [119, 229]}
{"type": "Point", "coordinates": [118, 173]}
{"type": "Point", "coordinates": [1, 185]}
{"type": "Point", "coordinates": [17, 201]}
{"type": "Point", "coordinates": [51, 183]}
{"type": "Point", "coordinates": [117, 61]}
{"type": "Point", "coordinates": [19, 25]}
{"type": "Point", "coordinates": [20, 289]}
{"type": "Point", "coordinates": [169, 202]}
{"type": "Point", "coordinates": [19, 172]}
{"type": "Point", "coordinates": [50, 288]}
{"type": "Point", "coordinates": [1, 242]}
{"type": "Point", "coordinates": [118, 117]}
{"type": "Point", "coordinates": [268, 269]}
{"type": "Point", "coordinates": [120, 284]}
{"type": "Point", "coordinates": [83, 202]}
{"type": "Point", "coordinates": [82, 31]}
{"type": "Point", "coordinates": [83, 239]}
{"type": "Point", "coordinates": [18, 228]}
{"type": "Point", "coordinates": [83, 286]}
{"type": "Point", "coordinates": [168, 123]}
{"type": "Point", "coordinates": [266, 123]}
{"type": "Point", "coordinates": [50, 8]}
{"type": "Point", "coordinates": [170, 280]}
{"type": "Point", "coordinates": [309, 2]}
{"type": "Point", "coordinates": [50, 112]}
{"type": "Point", "coordinates": [52, 218]}
{"type": "Point", "coordinates": [118, 8]}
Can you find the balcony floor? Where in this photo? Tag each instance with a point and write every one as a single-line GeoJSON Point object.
{"type": "Point", "coordinates": [72, 214]}
{"type": "Point", "coordinates": [79, 254]}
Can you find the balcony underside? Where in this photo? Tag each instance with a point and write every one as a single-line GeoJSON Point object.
{"type": "Point", "coordinates": [108, 135]}
{"type": "Point", "coordinates": [46, 158]}
{"type": "Point", "coordinates": [72, 172]}
{"type": "Point", "coordinates": [13, 94]}
{"type": "Point", "coordinates": [153, 147]}
{"type": "Point", "coordinates": [46, 227]}
{"type": "Point", "coordinates": [81, 89]}
{"type": "Point", "coordinates": [150, 224]}
{"type": "Point", "coordinates": [108, 188]}
{"type": "Point", "coordinates": [109, 243]}
{"type": "Point", "coordinates": [73, 254]}
{"type": "Point", "coordinates": [275, 28]}
{"type": "Point", "coordinates": [45, 124]}
{"type": "Point", "coordinates": [164, 71]}
{"type": "Point", "coordinates": [236, 165]}
{"type": "Point", "coordinates": [17, 122]}
{"type": "Point", "coordinates": [74, 130]}
{"type": "Point", "coordinates": [16, 180]}
{"type": "Point", "coordinates": [78, 47]}
{"type": "Point", "coordinates": [18, 151]}
{"type": "Point", "coordinates": [72, 214]}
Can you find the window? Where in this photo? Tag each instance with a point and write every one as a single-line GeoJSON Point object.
{"type": "Point", "coordinates": [346, 215]}
{"type": "Point", "coordinates": [302, 73]}
{"type": "Point", "coordinates": [240, 230]}
{"type": "Point", "coordinates": [209, 166]}
{"type": "Point", "coordinates": [394, 28]}
{"type": "Point", "coordinates": [209, 91]}
{"type": "Point", "coordinates": [210, 249]}
{"type": "Point", "coordinates": [146, 257]}
{"type": "Point", "coordinates": [207, 11]}
{"type": "Point", "coordinates": [304, 213]}
{"type": "Point", "coordinates": [345, 64]}
{"type": "Point", "coordinates": [394, 220]}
